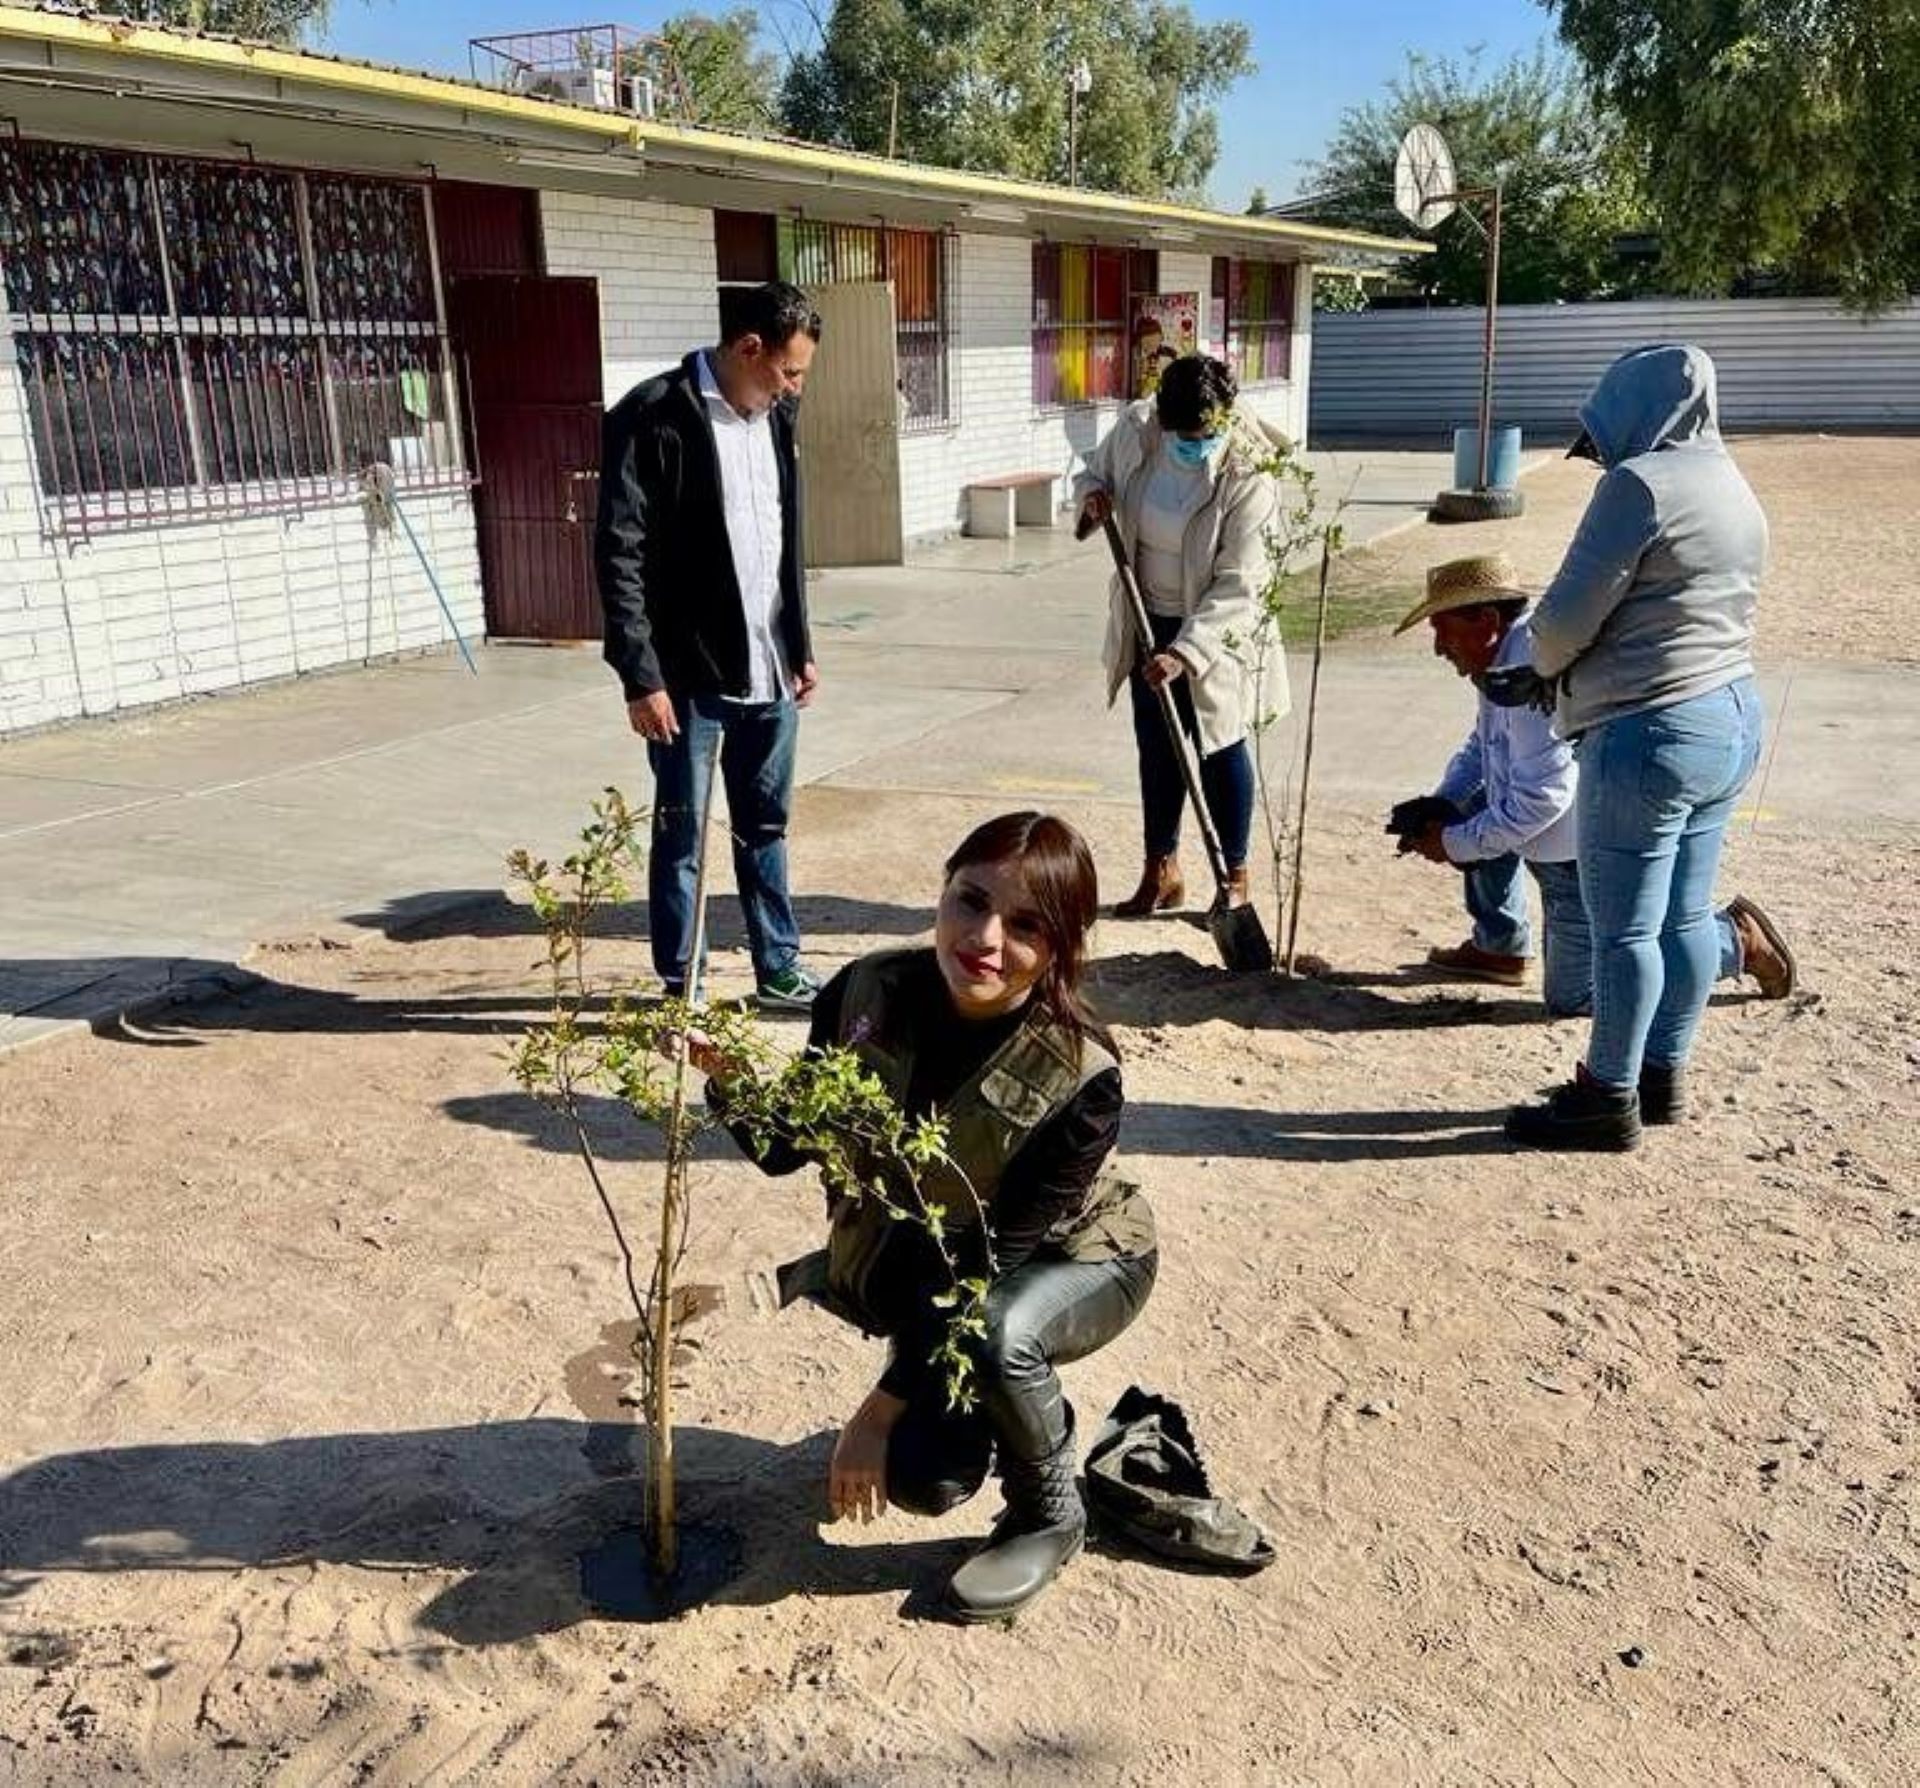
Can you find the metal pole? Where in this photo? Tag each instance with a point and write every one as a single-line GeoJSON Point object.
{"type": "Point", "coordinates": [1073, 131]}
{"type": "Point", "coordinates": [1486, 362]}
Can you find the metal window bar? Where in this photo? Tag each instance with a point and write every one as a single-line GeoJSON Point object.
{"type": "Point", "coordinates": [918, 264]}
{"type": "Point", "coordinates": [178, 324]}
{"type": "Point", "coordinates": [1082, 296]}
{"type": "Point", "coordinates": [1260, 321]}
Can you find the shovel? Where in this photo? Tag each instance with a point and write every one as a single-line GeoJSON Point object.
{"type": "Point", "coordinates": [1237, 932]}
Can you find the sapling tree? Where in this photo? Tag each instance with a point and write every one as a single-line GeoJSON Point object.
{"type": "Point", "coordinates": [1297, 533]}
{"type": "Point", "coordinates": [601, 1039]}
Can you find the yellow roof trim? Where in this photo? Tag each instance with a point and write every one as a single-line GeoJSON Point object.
{"type": "Point", "coordinates": [193, 52]}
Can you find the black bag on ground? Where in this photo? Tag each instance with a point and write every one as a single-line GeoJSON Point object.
{"type": "Point", "coordinates": [1145, 1481]}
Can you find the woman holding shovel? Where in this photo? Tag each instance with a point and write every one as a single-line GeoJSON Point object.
{"type": "Point", "coordinates": [988, 1028]}
{"type": "Point", "coordinates": [1180, 477]}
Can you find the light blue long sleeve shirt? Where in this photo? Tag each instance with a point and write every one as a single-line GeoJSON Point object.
{"type": "Point", "coordinates": [1524, 771]}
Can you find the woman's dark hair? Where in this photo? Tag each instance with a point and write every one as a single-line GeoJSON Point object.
{"type": "Point", "coordinates": [1065, 891]}
{"type": "Point", "coordinates": [1193, 391]}
{"type": "Point", "coordinates": [776, 312]}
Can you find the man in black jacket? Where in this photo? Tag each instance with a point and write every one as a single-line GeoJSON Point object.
{"type": "Point", "coordinates": [698, 552]}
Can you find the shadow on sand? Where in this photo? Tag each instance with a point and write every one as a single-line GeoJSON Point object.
{"type": "Point", "coordinates": [510, 1506]}
{"type": "Point", "coordinates": [489, 913]}
{"type": "Point", "coordinates": [1167, 987]}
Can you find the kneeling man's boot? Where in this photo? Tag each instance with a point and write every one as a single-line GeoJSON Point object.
{"type": "Point", "coordinates": [1043, 1527]}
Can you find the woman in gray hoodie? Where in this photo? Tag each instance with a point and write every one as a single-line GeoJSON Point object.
{"type": "Point", "coordinates": [1644, 641]}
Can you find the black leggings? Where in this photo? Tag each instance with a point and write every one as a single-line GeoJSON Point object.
{"type": "Point", "coordinates": [1040, 1316]}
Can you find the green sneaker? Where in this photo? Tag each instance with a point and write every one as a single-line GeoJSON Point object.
{"type": "Point", "coordinates": [791, 990]}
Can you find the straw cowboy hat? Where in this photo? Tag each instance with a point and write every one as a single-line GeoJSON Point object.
{"type": "Point", "coordinates": [1465, 583]}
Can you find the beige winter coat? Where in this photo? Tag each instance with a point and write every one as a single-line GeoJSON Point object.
{"type": "Point", "coordinates": [1224, 562]}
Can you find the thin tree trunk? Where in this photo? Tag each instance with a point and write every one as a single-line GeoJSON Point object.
{"type": "Point", "coordinates": [673, 1196]}
{"type": "Point", "coordinates": [1306, 759]}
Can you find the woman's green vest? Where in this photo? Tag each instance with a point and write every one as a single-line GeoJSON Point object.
{"type": "Point", "coordinates": [1032, 1076]}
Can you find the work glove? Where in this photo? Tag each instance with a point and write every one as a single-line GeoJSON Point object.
{"type": "Point", "coordinates": [1519, 686]}
{"type": "Point", "coordinates": [1407, 818]}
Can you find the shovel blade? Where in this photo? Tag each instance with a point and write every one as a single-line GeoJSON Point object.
{"type": "Point", "coordinates": [1241, 939]}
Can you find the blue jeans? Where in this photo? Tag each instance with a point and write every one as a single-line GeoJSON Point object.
{"type": "Point", "coordinates": [1496, 894]}
{"type": "Point", "coordinates": [1226, 776]}
{"type": "Point", "coordinates": [756, 767]}
{"type": "Point", "coordinates": [1497, 903]}
{"type": "Point", "coordinates": [1656, 791]}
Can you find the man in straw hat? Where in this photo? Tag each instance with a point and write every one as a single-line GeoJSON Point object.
{"type": "Point", "coordinates": [1507, 799]}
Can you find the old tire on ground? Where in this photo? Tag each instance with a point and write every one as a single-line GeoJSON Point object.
{"type": "Point", "coordinates": [1477, 505]}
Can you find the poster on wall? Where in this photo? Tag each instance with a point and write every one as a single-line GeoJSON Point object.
{"type": "Point", "coordinates": [1166, 325]}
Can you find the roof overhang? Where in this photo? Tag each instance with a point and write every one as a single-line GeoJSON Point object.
{"type": "Point", "coordinates": [93, 79]}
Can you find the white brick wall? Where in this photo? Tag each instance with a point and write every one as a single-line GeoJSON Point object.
{"type": "Point", "coordinates": [658, 298]}
{"type": "Point", "coordinates": [153, 614]}
{"type": "Point", "coordinates": [659, 281]}
{"type": "Point", "coordinates": [997, 429]}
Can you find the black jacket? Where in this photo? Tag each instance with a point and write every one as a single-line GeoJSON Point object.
{"type": "Point", "coordinates": [667, 581]}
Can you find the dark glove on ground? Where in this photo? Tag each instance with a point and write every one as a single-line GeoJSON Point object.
{"type": "Point", "coordinates": [1408, 818]}
{"type": "Point", "coordinates": [1519, 686]}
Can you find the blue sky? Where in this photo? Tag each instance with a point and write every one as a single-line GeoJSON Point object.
{"type": "Point", "coordinates": [1315, 59]}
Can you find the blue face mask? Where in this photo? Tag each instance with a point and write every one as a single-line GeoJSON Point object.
{"type": "Point", "coordinates": [1194, 454]}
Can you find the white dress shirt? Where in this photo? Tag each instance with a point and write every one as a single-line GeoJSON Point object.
{"type": "Point", "coordinates": [1524, 769]}
{"type": "Point", "coordinates": [750, 493]}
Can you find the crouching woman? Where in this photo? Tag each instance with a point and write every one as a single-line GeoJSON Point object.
{"type": "Point", "coordinates": [988, 1029]}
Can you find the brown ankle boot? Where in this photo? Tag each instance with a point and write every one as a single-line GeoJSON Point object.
{"type": "Point", "coordinates": [1235, 893]}
{"type": "Point", "coordinates": [1160, 889]}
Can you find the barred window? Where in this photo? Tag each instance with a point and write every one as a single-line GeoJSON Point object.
{"type": "Point", "coordinates": [918, 262]}
{"type": "Point", "coordinates": [1082, 301]}
{"type": "Point", "coordinates": [205, 338]}
{"type": "Point", "coordinates": [1259, 309]}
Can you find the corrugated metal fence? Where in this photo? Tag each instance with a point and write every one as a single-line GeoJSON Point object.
{"type": "Point", "coordinates": [1784, 363]}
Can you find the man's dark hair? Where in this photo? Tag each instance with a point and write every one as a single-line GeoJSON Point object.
{"type": "Point", "coordinates": [1195, 391]}
{"type": "Point", "coordinates": [776, 312]}
{"type": "Point", "coordinates": [1509, 608]}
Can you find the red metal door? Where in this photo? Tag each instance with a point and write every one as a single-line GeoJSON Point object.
{"type": "Point", "coordinates": [530, 350]}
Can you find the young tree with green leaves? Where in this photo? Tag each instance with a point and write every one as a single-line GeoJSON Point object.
{"type": "Point", "coordinates": [1777, 133]}
{"type": "Point", "coordinates": [986, 86]}
{"type": "Point", "coordinates": [1570, 185]}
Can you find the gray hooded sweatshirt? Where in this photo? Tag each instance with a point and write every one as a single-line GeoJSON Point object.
{"type": "Point", "coordinates": [1654, 602]}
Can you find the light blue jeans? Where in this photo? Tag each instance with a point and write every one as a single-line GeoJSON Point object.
{"type": "Point", "coordinates": [1496, 892]}
{"type": "Point", "coordinates": [756, 766]}
{"type": "Point", "coordinates": [1656, 791]}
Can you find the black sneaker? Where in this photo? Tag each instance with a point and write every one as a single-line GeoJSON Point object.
{"type": "Point", "coordinates": [1580, 1115]}
{"type": "Point", "coordinates": [1663, 1094]}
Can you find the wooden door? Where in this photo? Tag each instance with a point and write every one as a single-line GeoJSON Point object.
{"type": "Point", "coordinates": [529, 349]}
{"type": "Point", "coordinates": [849, 435]}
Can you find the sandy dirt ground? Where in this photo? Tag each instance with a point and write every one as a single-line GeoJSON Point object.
{"type": "Point", "coordinates": [1843, 581]}
{"type": "Point", "coordinates": [1579, 1470]}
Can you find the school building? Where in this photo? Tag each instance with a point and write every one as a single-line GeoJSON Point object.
{"type": "Point", "coordinates": [307, 357]}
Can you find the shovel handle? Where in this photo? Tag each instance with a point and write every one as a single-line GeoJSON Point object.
{"type": "Point", "coordinates": [1182, 746]}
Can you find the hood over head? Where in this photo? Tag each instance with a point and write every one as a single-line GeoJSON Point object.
{"type": "Point", "coordinates": [1649, 398]}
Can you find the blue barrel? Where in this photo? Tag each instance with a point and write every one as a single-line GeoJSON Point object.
{"type": "Point", "coordinates": [1503, 462]}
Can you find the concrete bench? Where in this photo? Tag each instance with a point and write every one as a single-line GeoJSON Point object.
{"type": "Point", "coordinates": [996, 506]}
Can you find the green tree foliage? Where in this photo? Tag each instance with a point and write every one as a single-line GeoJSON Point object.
{"type": "Point", "coordinates": [1569, 185]}
{"type": "Point", "coordinates": [1781, 133]}
{"type": "Point", "coordinates": [984, 84]}
{"type": "Point", "coordinates": [733, 82]}
{"type": "Point", "coordinates": [275, 21]}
